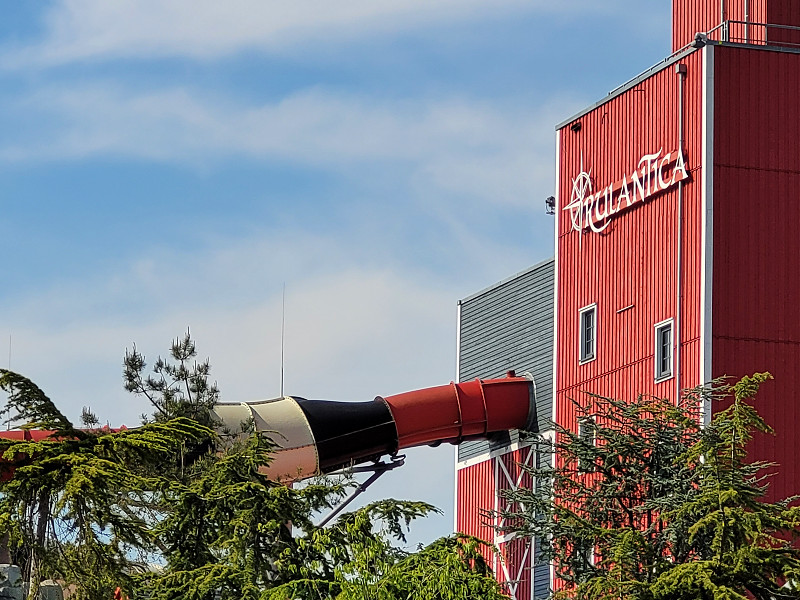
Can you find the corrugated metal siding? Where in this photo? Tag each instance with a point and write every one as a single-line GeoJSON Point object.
{"type": "Point", "coordinates": [507, 326]}
{"type": "Point", "coordinates": [691, 16]}
{"type": "Point", "coordinates": [479, 489]}
{"type": "Point", "coordinates": [516, 569]}
{"type": "Point", "coordinates": [475, 494]}
{"type": "Point", "coordinates": [757, 10]}
{"type": "Point", "coordinates": [510, 326]}
{"type": "Point", "coordinates": [784, 12]}
{"type": "Point", "coordinates": [630, 270]}
{"type": "Point", "coordinates": [756, 243]}
{"type": "Point", "coordinates": [541, 574]}
{"type": "Point", "coordinates": [751, 34]}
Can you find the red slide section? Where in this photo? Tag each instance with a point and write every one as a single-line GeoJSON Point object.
{"type": "Point", "coordinates": [459, 411]}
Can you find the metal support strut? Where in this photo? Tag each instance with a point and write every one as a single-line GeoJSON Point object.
{"type": "Point", "coordinates": [378, 468]}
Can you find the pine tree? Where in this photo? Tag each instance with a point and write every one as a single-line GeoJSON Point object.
{"type": "Point", "coordinates": [652, 506]}
{"type": "Point", "coordinates": [177, 388]}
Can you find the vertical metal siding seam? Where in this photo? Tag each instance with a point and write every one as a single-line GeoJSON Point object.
{"type": "Point", "coordinates": [746, 21]}
{"type": "Point", "coordinates": [457, 488]}
{"type": "Point", "coordinates": [678, 299]}
{"type": "Point", "coordinates": [707, 227]}
{"type": "Point", "coordinates": [496, 502]}
{"type": "Point", "coordinates": [455, 448]}
{"type": "Point", "coordinates": [458, 342]}
{"type": "Point", "coordinates": [554, 416]}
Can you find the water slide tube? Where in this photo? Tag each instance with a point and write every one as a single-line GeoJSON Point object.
{"type": "Point", "coordinates": [317, 436]}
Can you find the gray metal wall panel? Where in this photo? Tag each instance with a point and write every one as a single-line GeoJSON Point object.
{"type": "Point", "coordinates": [510, 326]}
{"type": "Point", "coordinates": [541, 567]}
{"type": "Point", "coordinates": [541, 576]}
{"type": "Point", "coordinates": [471, 449]}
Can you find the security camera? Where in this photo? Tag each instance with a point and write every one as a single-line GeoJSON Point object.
{"type": "Point", "coordinates": [700, 40]}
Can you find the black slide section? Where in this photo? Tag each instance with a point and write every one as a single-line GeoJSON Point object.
{"type": "Point", "coordinates": [349, 431]}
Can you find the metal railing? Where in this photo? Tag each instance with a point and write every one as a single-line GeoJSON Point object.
{"type": "Point", "coordinates": [757, 34]}
{"type": "Point", "coordinates": [736, 32]}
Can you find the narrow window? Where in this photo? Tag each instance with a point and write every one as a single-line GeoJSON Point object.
{"type": "Point", "coordinates": [584, 553]}
{"type": "Point", "coordinates": [588, 333]}
{"type": "Point", "coordinates": [663, 350]}
{"type": "Point", "coordinates": [587, 435]}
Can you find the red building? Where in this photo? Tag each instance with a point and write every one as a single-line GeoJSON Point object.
{"type": "Point", "coordinates": [677, 253]}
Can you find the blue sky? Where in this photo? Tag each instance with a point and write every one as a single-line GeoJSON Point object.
{"type": "Point", "coordinates": [167, 164]}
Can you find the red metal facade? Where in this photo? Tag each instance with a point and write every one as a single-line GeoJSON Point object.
{"type": "Point", "coordinates": [783, 12]}
{"type": "Point", "coordinates": [630, 270]}
{"type": "Point", "coordinates": [691, 16]}
{"type": "Point", "coordinates": [756, 325]}
{"type": "Point", "coordinates": [746, 21]}
{"type": "Point", "coordinates": [476, 495]}
{"type": "Point", "coordinates": [480, 488]}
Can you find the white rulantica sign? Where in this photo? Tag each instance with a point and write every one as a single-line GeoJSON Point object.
{"type": "Point", "coordinates": [654, 174]}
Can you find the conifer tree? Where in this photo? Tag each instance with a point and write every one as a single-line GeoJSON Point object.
{"type": "Point", "coordinates": [91, 507]}
{"type": "Point", "coordinates": [73, 505]}
{"type": "Point", "coordinates": [651, 505]}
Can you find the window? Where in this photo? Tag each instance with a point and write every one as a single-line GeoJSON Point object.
{"type": "Point", "coordinates": [587, 435]}
{"type": "Point", "coordinates": [588, 333]}
{"type": "Point", "coordinates": [663, 350]}
{"type": "Point", "coordinates": [584, 565]}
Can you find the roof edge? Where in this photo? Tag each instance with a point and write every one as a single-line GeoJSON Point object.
{"type": "Point", "coordinates": [631, 83]}
{"type": "Point", "coordinates": [508, 279]}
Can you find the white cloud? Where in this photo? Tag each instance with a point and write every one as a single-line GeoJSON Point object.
{"type": "Point", "coordinates": [352, 332]}
{"type": "Point", "coordinates": [76, 30]}
{"type": "Point", "coordinates": [471, 148]}
{"type": "Point", "coordinates": [354, 328]}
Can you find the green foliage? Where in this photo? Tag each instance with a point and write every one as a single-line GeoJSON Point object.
{"type": "Point", "coordinates": [235, 534]}
{"type": "Point", "coordinates": [656, 507]}
{"type": "Point", "coordinates": [91, 506]}
{"type": "Point", "coordinates": [452, 567]}
{"type": "Point", "coordinates": [28, 406]}
{"type": "Point", "coordinates": [229, 523]}
{"type": "Point", "coordinates": [72, 508]}
{"type": "Point", "coordinates": [178, 389]}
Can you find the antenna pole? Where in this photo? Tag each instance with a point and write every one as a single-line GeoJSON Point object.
{"type": "Point", "coordinates": [283, 330]}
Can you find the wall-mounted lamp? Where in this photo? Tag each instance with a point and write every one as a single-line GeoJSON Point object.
{"type": "Point", "coordinates": [550, 205]}
{"type": "Point", "coordinates": [575, 127]}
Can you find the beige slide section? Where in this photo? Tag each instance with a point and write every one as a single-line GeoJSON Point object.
{"type": "Point", "coordinates": [284, 422]}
